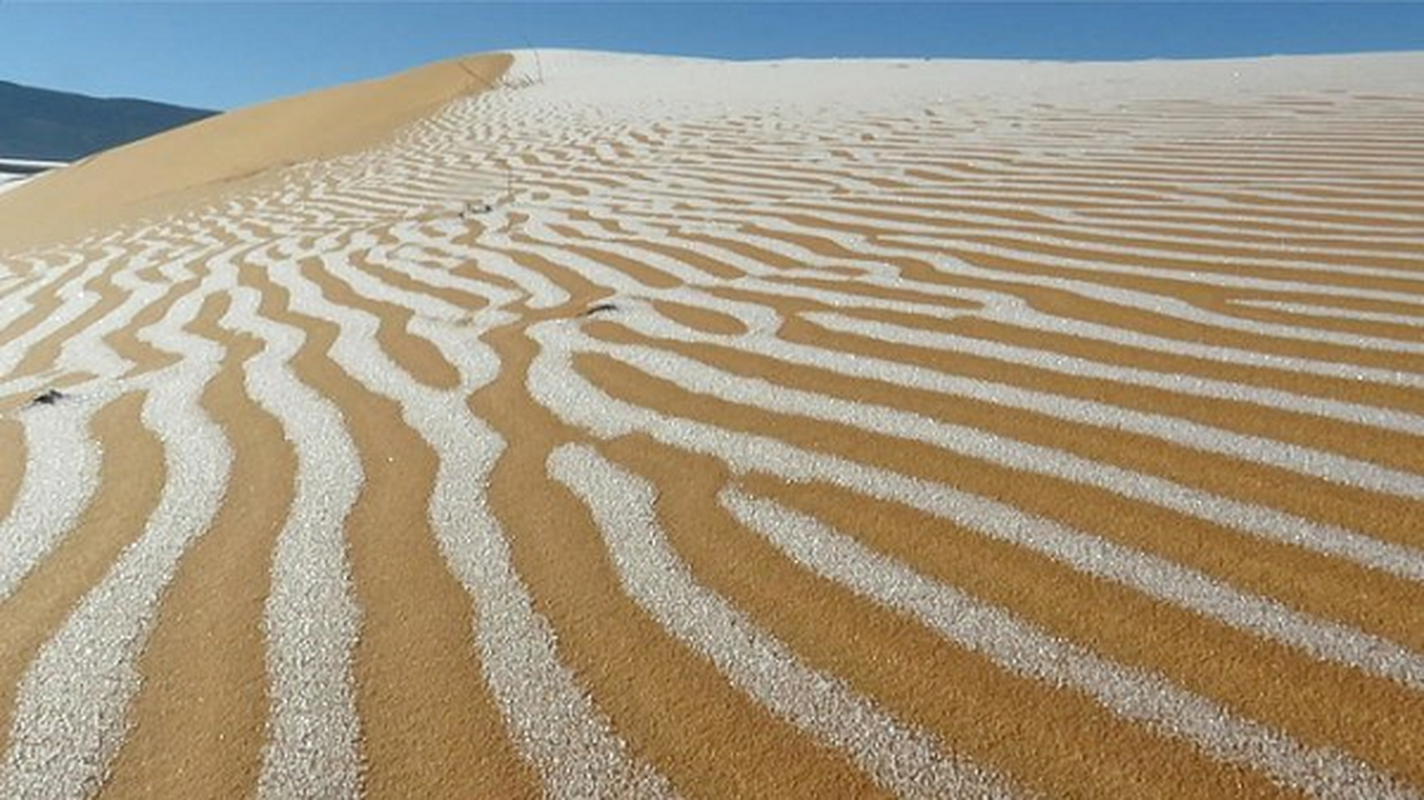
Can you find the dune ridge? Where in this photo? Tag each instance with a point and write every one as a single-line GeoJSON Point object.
{"type": "Point", "coordinates": [585, 424]}
{"type": "Point", "coordinates": [171, 172]}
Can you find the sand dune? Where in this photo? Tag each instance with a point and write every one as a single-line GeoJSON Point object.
{"type": "Point", "coordinates": [167, 174]}
{"type": "Point", "coordinates": [597, 425]}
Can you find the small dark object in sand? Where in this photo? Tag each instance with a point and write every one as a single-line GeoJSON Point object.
{"type": "Point", "coordinates": [49, 398]}
{"type": "Point", "coordinates": [598, 309]}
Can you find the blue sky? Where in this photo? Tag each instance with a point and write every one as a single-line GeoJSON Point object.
{"type": "Point", "coordinates": [223, 55]}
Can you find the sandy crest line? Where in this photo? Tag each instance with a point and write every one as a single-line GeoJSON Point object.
{"type": "Point", "coordinates": [73, 299]}
{"type": "Point", "coordinates": [929, 250]}
{"type": "Point", "coordinates": [1273, 167]}
{"type": "Point", "coordinates": [1155, 303]}
{"type": "Point", "coordinates": [1144, 190]}
{"type": "Point", "coordinates": [537, 237]}
{"type": "Point", "coordinates": [1010, 308]}
{"type": "Point", "coordinates": [682, 270]}
{"type": "Point", "coordinates": [993, 213]}
{"type": "Point", "coordinates": [311, 619]}
{"type": "Point", "coordinates": [900, 758]}
{"type": "Point", "coordinates": [14, 278]}
{"type": "Point", "coordinates": [1164, 194]}
{"type": "Point", "coordinates": [1138, 219]}
{"type": "Point", "coordinates": [758, 276]}
{"type": "Point", "coordinates": [1321, 244]}
{"type": "Point", "coordinates": [86, 351]}
{"type": "Point", "coordinates": [437, 271]}
{"type": "Point", "coordinates": [418, 269]}
{"type": "Point", "coordinates": [1335, 312]}
{"type": "Point", "coordinates": [747, 176]}
{"type": "Point", "coordinates": [1286, 456]}
{"type": "Point", "coordinates": [1279, 256]}
{"type": "Point", "coordinates": [631, 183]}
{"type": "Point", "coordinates": [554, 383]}
{"type": "Point", "coordinates": [62, 467]}
{"type": "Point", "coordinates": [717, 199]}
{"type": "Point", "coordinates": [70, 712]}
{"type": "Point", "coordinates": [492, 255]}
{"type": "Point", "coordinates": [1163, 303]}
{"type": "Point", "coordinates": [1020, 314]}
{"type": "Point", "coordinates": [606, 276]}
{"type": "Point", "coordinates": [426, 274]}
{"type": "Point", "coordinates": [1252, 519]}
{"type": "Point", "coordinates": [1004, 306]}
{"type": "Point", "coordinates": [355, 207]}
{"type": "Point", "coordinates": [421, 305]}
{"type": "Point", "coordinates": [1354, 413]}
{"type": "Point", "coordinates": [1086, 200]}
{"type": "Point", "coordinates": [554, 723]}
{"type": "Point", "coordinates": [1086, 265]}
{"type": "Point", "coordinates": [1182, 168]}
{"type": "Point", "coordinates": [17, 302]}
{"type": "Point", "coordinates": [61, 476]}
{"type": "Point", "coordinates": [1022, 648]}
{"type": "Point", "coordinates": [393, 181]}
{"type": "Point", "coordinates": [234, 223]}
{"type": "Point", "coordinates": [62, 470]}
{"type": "Point", "coordinates": [992, 200]}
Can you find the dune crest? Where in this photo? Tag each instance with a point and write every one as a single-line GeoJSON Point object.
{"type": "Point", "coordinates": [172, 171]}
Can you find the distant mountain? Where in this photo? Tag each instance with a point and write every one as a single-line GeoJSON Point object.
{"type": "Point", "coordinates": [60, 126]}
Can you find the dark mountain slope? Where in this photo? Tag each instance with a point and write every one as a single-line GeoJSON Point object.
{"type": "Point", "coordinates": [59, 126]}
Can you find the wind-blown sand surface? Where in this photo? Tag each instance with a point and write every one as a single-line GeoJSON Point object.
{"type": "Point", "coordinates": [593, 425]}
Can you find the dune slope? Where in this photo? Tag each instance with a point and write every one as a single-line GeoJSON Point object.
{"type": "Point", "coordinates": [171, 172]}
{"type": "Point", "coordinates": [647, 427]}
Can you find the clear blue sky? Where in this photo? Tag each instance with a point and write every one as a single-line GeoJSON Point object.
{"type": "Point", "coordinates": [223, 55]}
